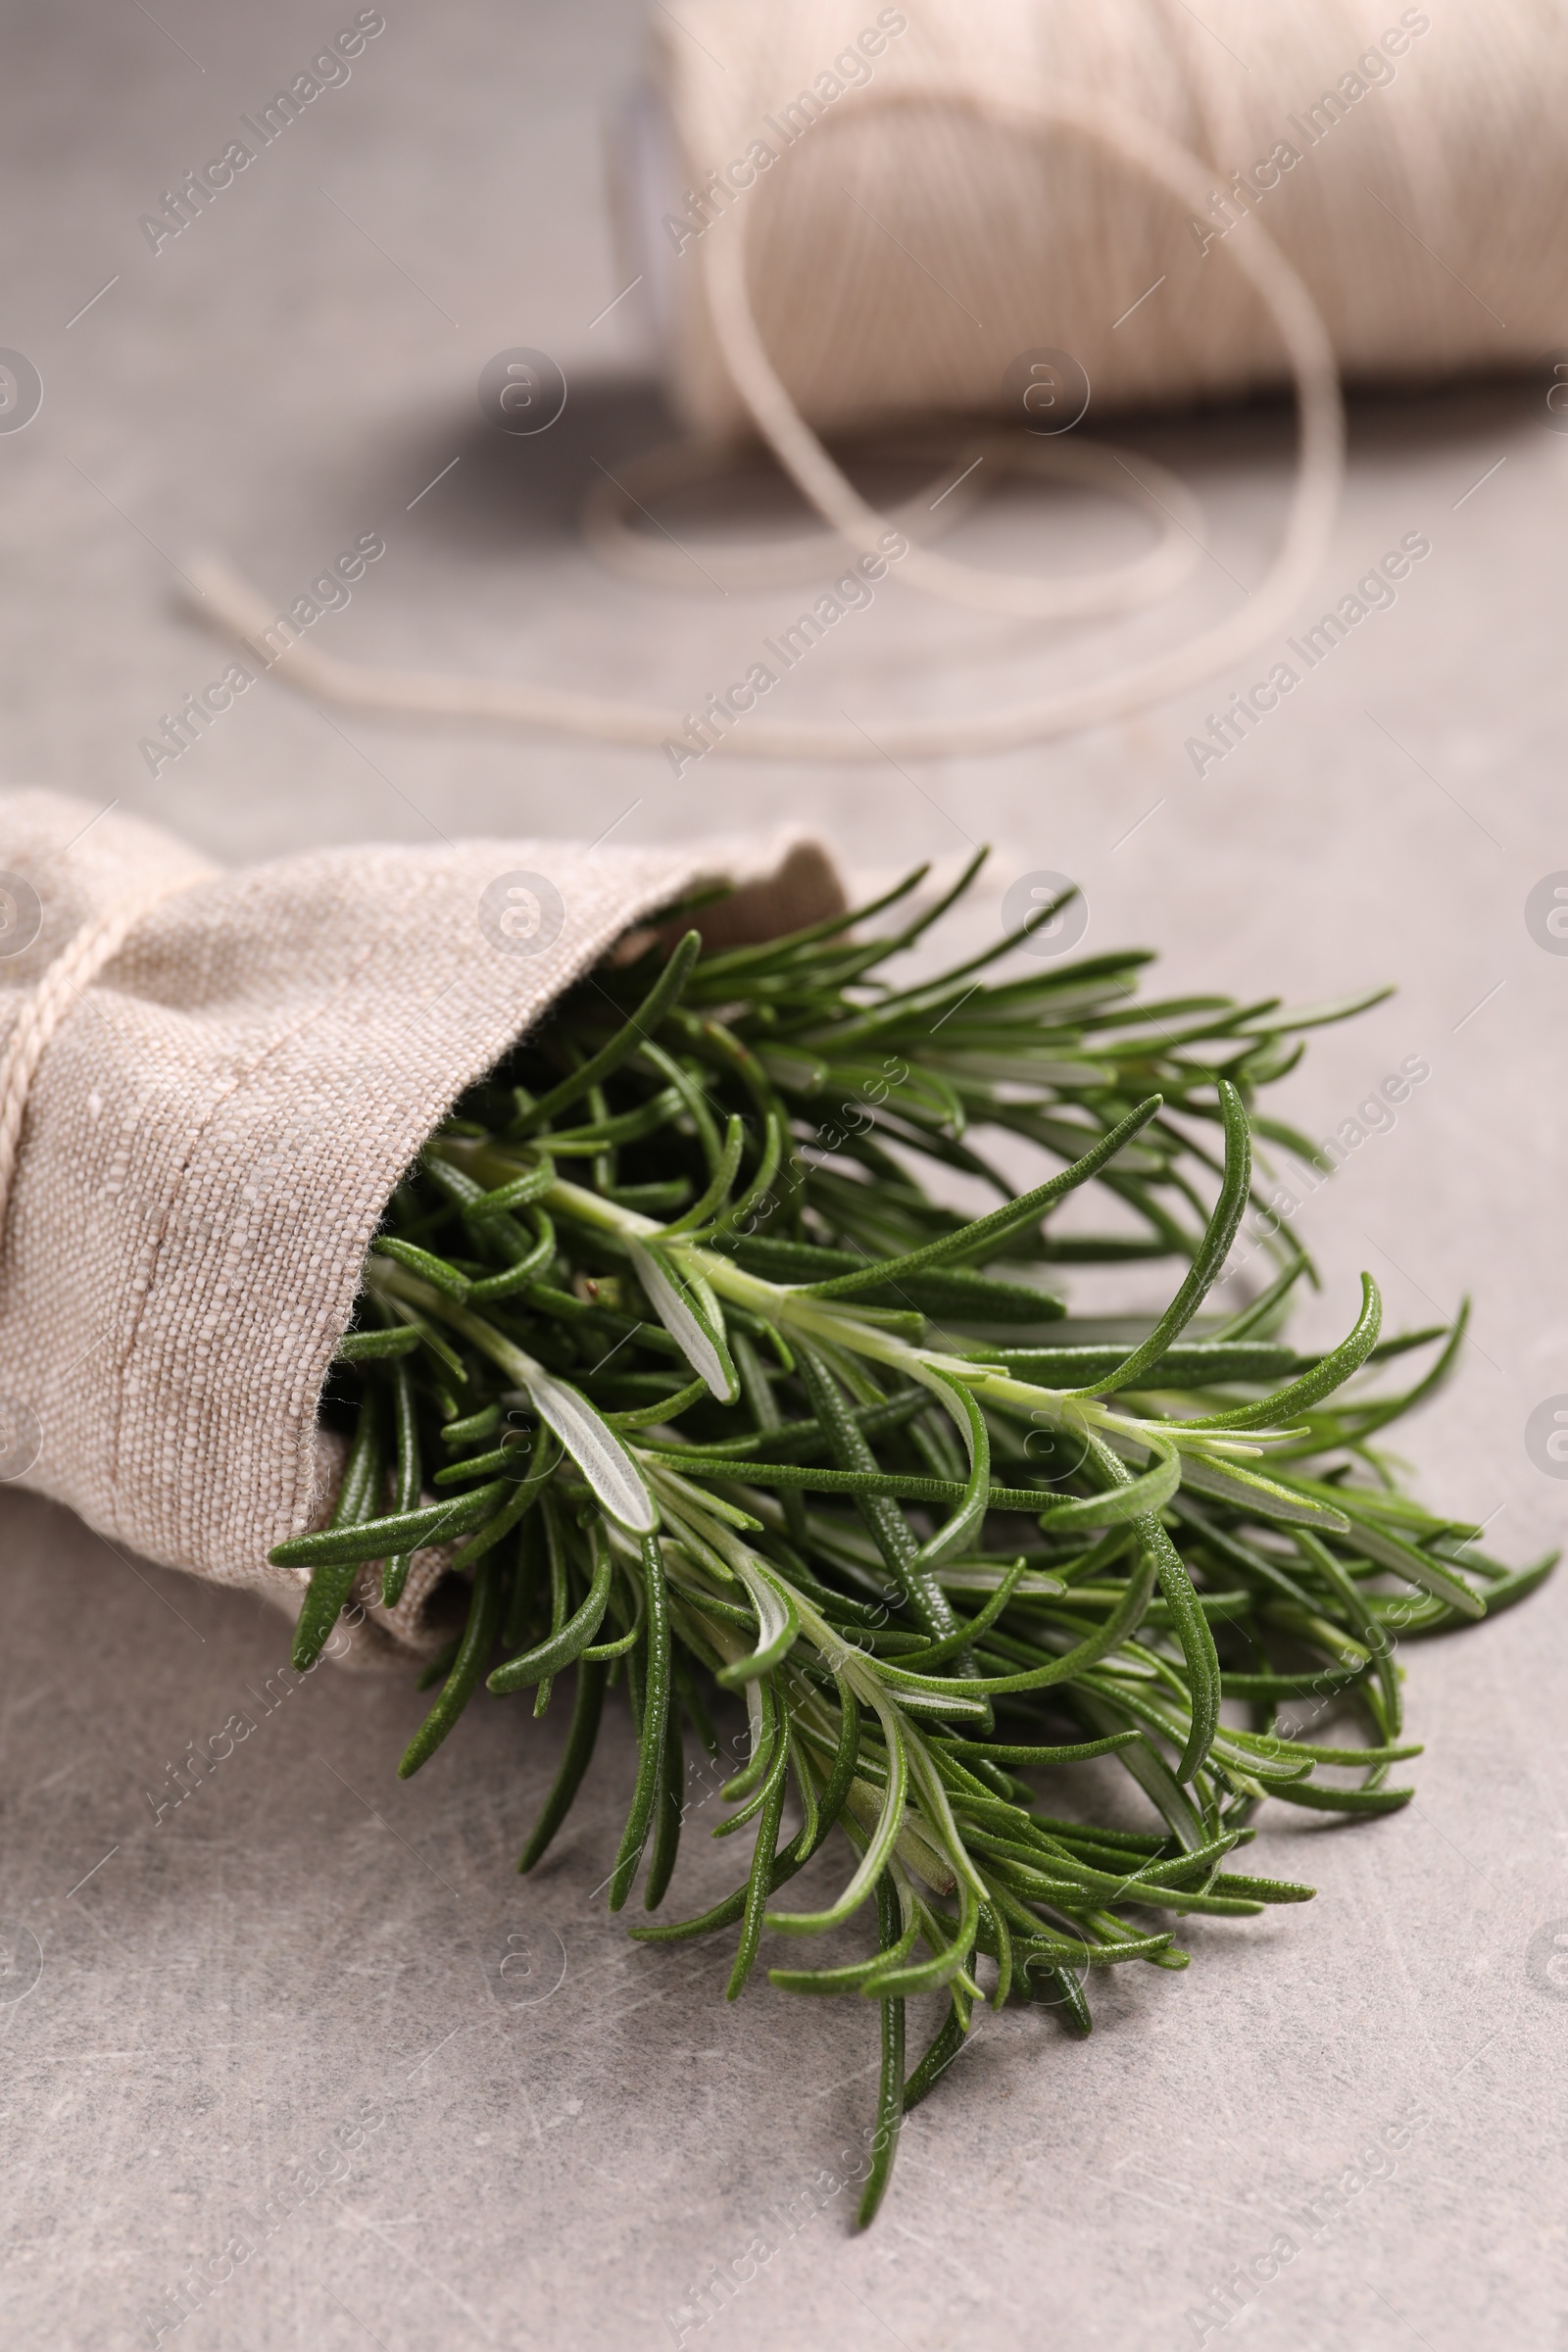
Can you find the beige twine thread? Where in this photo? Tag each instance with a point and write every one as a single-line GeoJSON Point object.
{"type": "Point", "coordinates": [46, 1004]}
{"type": "Point", "coordinates": [1025, 102]}
{"type": "Point", "coordinates": [239, 606]}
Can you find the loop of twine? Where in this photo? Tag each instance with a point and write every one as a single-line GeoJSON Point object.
{"type": "Point", "coordinates": [614, 503]}
{"type": "Point", "coordinates": [46, 1004]}
{"type": "Point", "coordinates": [1152, 155]}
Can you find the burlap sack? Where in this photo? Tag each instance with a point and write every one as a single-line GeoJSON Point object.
{"type": "Point", "coordinates": [218, 1119]}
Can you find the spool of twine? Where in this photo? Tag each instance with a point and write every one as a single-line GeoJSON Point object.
{"type": "Point", "coordinates": [851, 216]}
{"type": "Point", "coordinates": [908, 239]}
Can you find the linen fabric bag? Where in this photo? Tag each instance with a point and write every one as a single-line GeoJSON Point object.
{"type": "Point", "coordinates": [213, 1082]}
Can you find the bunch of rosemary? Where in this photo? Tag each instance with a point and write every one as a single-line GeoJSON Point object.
{"type": "Point", "coordinates": [719, 1400]}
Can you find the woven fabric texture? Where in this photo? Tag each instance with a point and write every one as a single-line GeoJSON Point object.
{"type": "Point", "coordinates": [218, 1120]}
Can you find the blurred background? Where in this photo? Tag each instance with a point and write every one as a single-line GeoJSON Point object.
{"type": "Point", "coordinates": [298, 370]}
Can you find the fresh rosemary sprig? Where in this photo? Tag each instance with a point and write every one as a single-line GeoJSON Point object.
{"type": "Point", "coordinates": [712, 1396]}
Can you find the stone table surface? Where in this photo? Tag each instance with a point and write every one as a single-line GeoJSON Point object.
{"type": "Point", "coordinates": [556, 2136]}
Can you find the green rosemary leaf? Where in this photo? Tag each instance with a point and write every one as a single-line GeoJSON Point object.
{"type": "Point", "coordinates": [525, 1268]}
{"type": "Point", "coordinates": [1069, 1667]}
{"type": "Point", "coordinates": [1319, 1798]}
{"type": "Point", "coordinates": [366, 1347]}
{"type": "Point", "coordinates": [664, 1408]}
{"type": "Point", "coordinates": [1416, 1566]}
{"type": "Point", "coordinates": [879, 1849]}
{"type": "Point", "coordinates": [580, 1742]}
{"type": "Point", "coordinates": [989, 1232]}
{"type": "Point", "coordinates": [473, 1427]}
{"type": "Point", "coordinates": [842, 1773]}
{"type": "Point", "coordinates": [1078, 1751]}
{"type": "Point", "coordinates": [345, 1542]}
{"type": "Point", "coordinates": [501, 1459]}
{"type": "Point", "coordinates": [436, 1669]}
{"type": "Point", "coordinates": [963, 1528]}
{"type": "Point", "coordinates": [668, 1808]}
{"type": "Point", "coordinates": [1212, 1251]}
{"type": "Point", "coordinates": [407, 1477]}
{"type": "Point", "coordinates": [921, 1661]}
{"type": "Point", "coordinates": [570, 1641]}
{"type": "Point", "coordinates": [718, 1192]}
{"type": "Point", "coordinates": [654, 1199]}
{"type": "Point", "coordinates": [890, 2094]}
{"type": "Point", "coordinates": [524, 1494]}
{"type": "Point", "coordinates": [886, 1523]}
{"type": "Point", "coordinates": [428, 1337]}
{"type": "Point", "coordinates": [731, 968]}
{"type": "Point", "coordinates": [519, 1192]}
{"type": "Point", "coordinates": [778, 1627]}
{"type": "Point", "coordinates": [912, 1978]}
{"type": "Point", "coordinates": [596, 1449]}
{"type": "Point", "coordinates": [697, 1328]}
{"type": "Point", "coordinates": [1187, 1364]}
{"type": "Point", "coordinates": [1318, 1016]}
{"type": "Point", "coordinates": [760, 1884]}
{"type": "Point", "coordinates": [660, 1000]}
{"type": "Point", "coordinates": [333, 1579]}
{"type": "Point", "coordinates": [829, 1982]}
{"type": "Point", "coordinates": [478, 1640]}
{"type": "Point", "coordinates": [1197, 1638]}
{"type": "Point", "coordinates": [1328, 1374]}
{"type": "Point", "coordinates": [655, 1704]}
{"type": "Point", "coordinates": [424, 1263]}
{"type": "Point", "coordinates": [590, 1142]}
{"type": "Point", "coordinates": [1129, 1499]}
{"type": "Point", "coordinates": [1295, 1505]}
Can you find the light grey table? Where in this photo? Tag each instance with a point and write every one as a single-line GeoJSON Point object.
{"type": "Point", "coordinates": [546, 2134]}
